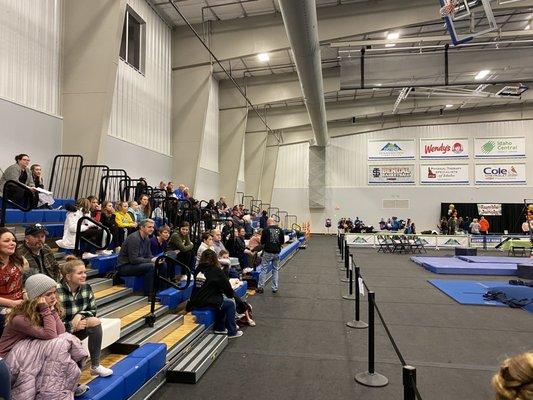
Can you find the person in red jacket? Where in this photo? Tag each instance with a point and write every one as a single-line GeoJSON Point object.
{"type": "Point", "coordinates": [483, 226]}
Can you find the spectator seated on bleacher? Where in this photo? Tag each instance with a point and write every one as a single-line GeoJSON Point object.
{"type": "Point", "coordinates": [207, 243]}
{"type": "Point", "coordinates": [135, 257]}
{"type": "Point", "coordinates": [218, 245]}
{"type": "Point", "coordinates": [145, 209]}
{"type": "Point", "coordinates": [263, 219]}
{"type": "Point", "coordinates": [89, 231]}
{"type": "Point", "coordinates": [157, 214]}
{"type": "Point", "coordinates": [222, 207]}
{"type": "Point", "coordinates": [19, 172]}
{"type": "Point", "coordinates": [95, 210]}
{"type": "Point", "coordinates": [107, 219]}
{"type": "Point", "coordinates": [180, 242]}
{"type": "Point", "coordinates": [236, 247]}
{"type": "Point", "coordinates": [213, 289]}
{"type": "Point", "coordinates": [207, 214]}
{"type": "Point", "coordinates": [253, 249]}
{"type": "Point", "coordinates": [124, 221]}
{"type": "Point", "coordinates": [140, 189]}
{"type": "Point", "coordinates": [178, 193]}
{"type": "Point", "coordinates": [46, 200]}
{"type": "Point", "coordinates": [159, 243]}
{"type": "Point", "coordinates": [135, 211]}
{"type": "Point", "coordinates": [248, 229]}
{"type": "Point", "coordinates": [12, 267]}
{"type": "Point", "coordinates": [39, 255]}
{"type": "Point", "coordinates": [228, 230]}
{"type": "Point", "coordinates": [38, 317]}
{"type": "Point", "coordinates": [78, 302]}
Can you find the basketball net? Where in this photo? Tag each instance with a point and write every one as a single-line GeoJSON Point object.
{"type": "Point", "coordinates": [449, 8]}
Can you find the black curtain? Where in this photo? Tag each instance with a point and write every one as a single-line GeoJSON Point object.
{"type": "Point", "coordinates": [513, 215]}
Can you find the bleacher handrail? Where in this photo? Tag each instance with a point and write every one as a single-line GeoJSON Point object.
{"type": "Point", "coordinates": [89, 180]}
{"type": "Point", "coordinates": [73, 174]}
{"type": "Point", "coordinates": [6, 199]}
{"type": "Point", "coordinates": [79, 238]}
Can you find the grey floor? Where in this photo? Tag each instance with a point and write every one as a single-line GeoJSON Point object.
{"type": "Point", "coordinates": [302, 349]}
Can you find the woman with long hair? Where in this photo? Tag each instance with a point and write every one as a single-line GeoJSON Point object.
{"type": "Point", "coordinates": [213, 289]}
{"type": "Point", "coordinates": [12, 266]}
{"type": "Point", "coordinates": [514, 380]}
{"type": "Point", "coordinates": [77, 299]}
{"type": "Point", "coordinates": [145, 209]}
{"type": "Point", "coordinates": [20, 172]}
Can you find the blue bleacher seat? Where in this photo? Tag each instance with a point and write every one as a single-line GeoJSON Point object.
{"type": "Point", "coordinates": [34, 216]}
{"type": "Point", "coordinates": [104, 264]}
{"type": "Point", "coordinates": [135, 373]}
{"type": "Point", "coordinates": [61, 202]}
{"type": "Point", "coordinates": [14, 216]}
{"type": "Point", "coordinates": [156, 353]}
{"type": "Point", "coordinates": [134, 282]}
{"type": "Point", "coordinates": [55, 230]}
{"type": "Point", "coordinates": [205, 316]}
{"type": "Point", "coordinates": [55, 215]}
{"type": "Point", "coordinates": [109, 388]}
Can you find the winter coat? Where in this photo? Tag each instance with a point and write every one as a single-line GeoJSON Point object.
{"type": "Point", "coordinates": [45, 369]}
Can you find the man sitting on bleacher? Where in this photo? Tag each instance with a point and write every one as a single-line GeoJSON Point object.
{"type": "Point", "coordinates": [135, 257]}
{"type": "Point", "coordinates": [39, 255]}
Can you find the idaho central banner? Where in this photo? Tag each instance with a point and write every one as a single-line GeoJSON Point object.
{"type": "Point", "coordinates": [385, 174]}
{"type": "Point", "coordinates": [391, 149]}
{"type": "Point", "coordinates": [443, 148]}
{"type": "Point", "coordinates": [449, 174]}
{"type": "Point", "coordinates": [489, 209]}
{"type": "Point", "coordinates": [507, 147]}
{"type": "Point", "coordinates": [487, 174]}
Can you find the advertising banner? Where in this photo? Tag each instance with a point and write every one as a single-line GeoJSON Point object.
{"type": "Point", "coordinates": [507, 147]}
{"type": "Point", "coordinates": [451, 174]}
{"type": "Point", "coordinates": [443, 148]}
{"type": "Point", "coordinates": [387, 174]}
{"type": "Point", "coordinates": [500, 174]}
{"type": "Point", "coordinates": [452, 241]}
{"type": "Point", "coordinates": [489, 209]}
{"type": "Point", "coordinates": [391, 149]}
{"type": "Point", "coordinates": [360, 239]}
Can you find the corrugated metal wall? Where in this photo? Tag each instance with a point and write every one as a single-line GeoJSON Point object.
{"type": "Point", "coordinates": [293, 166]}
{"type": "Point", "coordinates": [209, 158]}
{"type": "Point", "coordinates": [141, 103]}
{"type": "Point", "coordinates": [30, 53]}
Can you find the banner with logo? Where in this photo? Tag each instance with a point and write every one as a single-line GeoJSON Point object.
{"type": "Point", "coordinates": [443, 148]}
{"type": "Point", "coordinates": [360, 239]}
{"type": "Point", "coordinates": [391, 149]}
{"type": "Point", "coordinates": [489, 209]}
{"type": "Point", "coordinates": [494, 174]}
{"type": "Point", "coordinates": [450, 174]}
{"type": "Point", "coordinates": [386, 174]}
{"type": "Point", "coordinates": [452, 241]}
{"type": "Point", "coordinates": [509, 147]}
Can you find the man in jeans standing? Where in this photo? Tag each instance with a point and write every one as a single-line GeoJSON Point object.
{"type": "Point", "coordinates": [272, 239]}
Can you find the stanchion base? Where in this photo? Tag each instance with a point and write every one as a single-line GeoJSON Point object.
{"type": "Point", "coordinates": [372, 380]}
{"type": "Point", "coordinates": [357, 324]}
{"type": "Point", "coordinates": [349, 297]}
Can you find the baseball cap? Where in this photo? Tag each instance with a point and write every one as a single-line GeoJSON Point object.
{"type": "Point", "coordinates": [35, 229]}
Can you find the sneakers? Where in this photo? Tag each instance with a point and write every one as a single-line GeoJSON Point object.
{"type": "Point", "coordinates": [101, 371]}
{"type": "Point", "coordinates": [259, 290]}
{"type": "Point", "coordinates": [88, 256]}
{"type": "Point", "coordinates": [80, 390]}
{"type": "Point", "coordinates": [105, 252]}
{"type": "Point", "coordinates": [237, 334]}
{"type": "Point", "coordinates": [224, 332]}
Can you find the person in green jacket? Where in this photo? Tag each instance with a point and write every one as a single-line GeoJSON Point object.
{"type": "Point", "coordinates": [181, 242]}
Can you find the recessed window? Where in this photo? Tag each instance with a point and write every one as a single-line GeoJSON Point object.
{"type": "Point", "coordinates": [132, 47]}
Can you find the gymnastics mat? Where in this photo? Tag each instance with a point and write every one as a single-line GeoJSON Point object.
{"type": "Point", "coordinates": [497, 260]}
{"type": "Point", "coordinates": [471, 292]}
{"type": "Point", "coordinates": [452, 265]}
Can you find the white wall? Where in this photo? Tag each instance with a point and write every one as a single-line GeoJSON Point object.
{"type": "Point", "coordinates": [348, 193]}
{"type": "Point", "coordinates": [30, 53]}
{"type": "Point", "coordinates": [140, 112]}
{"type": "Point", "coordinates": [24, 130]}
{"type": "Point", "coordinates": [138, 161]}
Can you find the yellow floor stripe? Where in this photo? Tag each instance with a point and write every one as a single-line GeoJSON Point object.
{"type": "Point", "coordinates": [138, 314]}
{"type": "Point", "coordinates": [108, 291]}
{"type": "Point", "coordinates": [107, 362]}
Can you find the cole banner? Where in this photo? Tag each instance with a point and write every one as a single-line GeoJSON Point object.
{"type": "Point", "coordinates": [444, 174]}
{"type": "Point", "coordinates": [443, 148]}
{"type": "Point", "coordinates": [509, 147]}
{"type": "Point", "coordinates": [489, 209]}
{"type": "Point", "coordinates": [385, 174]}
{"type": "Point", "coordinates": [391, 149]}
{"type": "Point", "coordinates": [494, 174]}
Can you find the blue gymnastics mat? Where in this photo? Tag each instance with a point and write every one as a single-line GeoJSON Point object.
{"type": "Point", "coordinates": [497, 260]}
{"type": "Point", "coordinates": [471, 292]}
{"type": "Point", "coordinates": [452, 265]}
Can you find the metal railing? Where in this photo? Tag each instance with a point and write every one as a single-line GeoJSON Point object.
{"type": "Point", "coordinates": [107, 237]}
{"type": "Point", "coordinates": [89, 180]}
{"type": "Point", "coordinates": [24, 201]}
{"type": "Point", "coordinates": [65, 175]}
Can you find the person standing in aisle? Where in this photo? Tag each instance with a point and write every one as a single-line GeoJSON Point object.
{"type": "Point", "coordinates": [272, 239]}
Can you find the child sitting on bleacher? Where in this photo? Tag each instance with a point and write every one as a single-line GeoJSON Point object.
{"type": "Point", "coordinates": [39, 317]}
{"type": "Point", "coordinates": [80, 319]}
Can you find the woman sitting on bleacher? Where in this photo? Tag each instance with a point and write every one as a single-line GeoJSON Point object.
{"type": "Point", "coordinates": [159, 243]}
{"type": "Point", "coordinates": [18, 172]}
{"type": "Point", "coordinates": [144, 210]}
{"type": "Point", "coordinates": [124, 221]}
{"type": "Point", "coordinates": [77, 299]}
{"type": "Point", "coordinates": [107, 218]}
{"type": "Point", "coordinates": [181, 243]}
{"type": "Point", "coordinates": [38, 317]}
{"type": "Point", "coordinates": [207, 243]}
{"type": "Point", "coordinates": [213, 289]}
{"type": "Point", "coordinates": [12, 266]}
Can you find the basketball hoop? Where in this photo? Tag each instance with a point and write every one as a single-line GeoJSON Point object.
{"type": "Point", "coordinates": [449, 8]}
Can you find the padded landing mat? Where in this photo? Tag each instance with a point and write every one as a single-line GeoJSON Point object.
{"type": "Point", "coordinates": [471, 292]}
{"type": "Point", "coordinates": [497, 260]}
{"type": "Point", "coordinates": [452, 265]}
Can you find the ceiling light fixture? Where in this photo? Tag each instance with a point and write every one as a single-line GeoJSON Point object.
{"type": "Point", "coordinates": [481, 74]}
{"type": "Point", "coordinates": [390, 45]}
{"type": "Point", "coordinates": [449, 105]}
{"type": "Point", "coordinates": [526, 28]}
{"type": "Point", "coordinates": [393, 36]}
{"type": "Point", "coordinates": [264, 57]}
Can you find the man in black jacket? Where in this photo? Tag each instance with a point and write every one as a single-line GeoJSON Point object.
{"type": "Point", "coordinates": [272, 239]}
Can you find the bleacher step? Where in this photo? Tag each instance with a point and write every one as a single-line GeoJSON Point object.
{"type": "Point", "coordinates": [111, 294]}
{"type": "Point", "coordinates": [123, 307]}
{"type": "Point", "coordinates": [196, 359]}
{"type": "Point", "coordinates": [136, 320]}
{"type": "Point", "coordinates": [181, 338]}
{"type": "Point", "coordinates": [91, 273]}
{"type": "Point", "coordinates": [162, 327]}
{"type": "Point", "coordinates": [98, 284]}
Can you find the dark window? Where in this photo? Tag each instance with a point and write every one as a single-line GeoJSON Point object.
{"type": "Point", "coordinates": [132, 47]}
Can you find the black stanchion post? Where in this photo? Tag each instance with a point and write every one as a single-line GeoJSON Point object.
{"type": "Point", "coordinates": [346, 259]}
{"type": "Point", "coordinates": [350, 295]}
{"type": "Point", "coordinates": [357, 323]}
{"type": "Point", "coordinates": [409, 382]}
{"type": "Point", "coordinates": [371, 377]}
